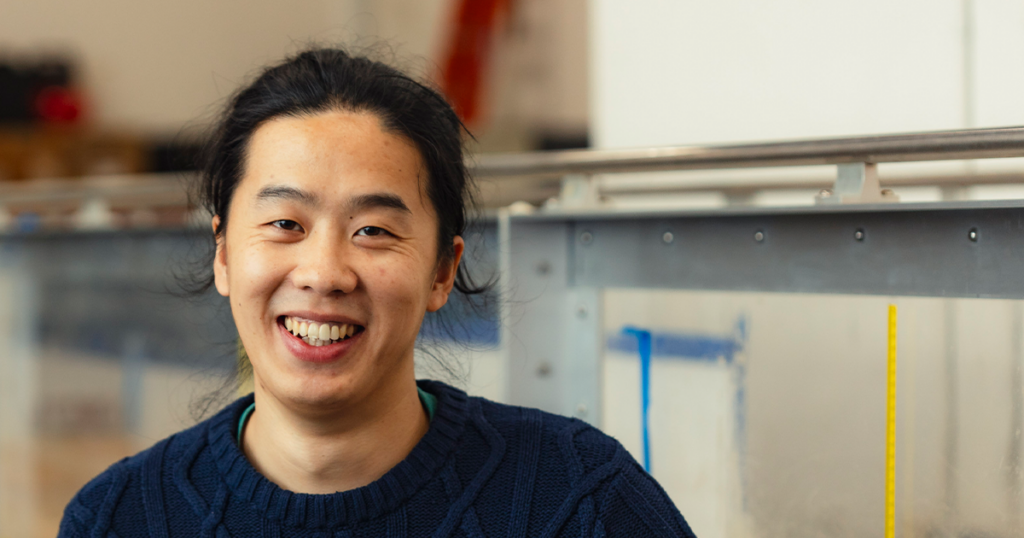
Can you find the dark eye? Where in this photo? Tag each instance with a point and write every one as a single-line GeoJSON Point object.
{"type": "Point", "coordinates": [284, 224]}
{"type": "Point", "coordinates": [371, 231]}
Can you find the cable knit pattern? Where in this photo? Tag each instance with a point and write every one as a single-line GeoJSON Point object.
{"type": "Point", "coordinates": [482, 470]}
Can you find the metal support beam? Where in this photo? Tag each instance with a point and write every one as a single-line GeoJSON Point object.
{"type": "Point", "coordinates": [940, 250]}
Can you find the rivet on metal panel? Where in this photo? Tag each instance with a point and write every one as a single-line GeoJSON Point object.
{"type": "Point", "coordinates": [543, 267]}
{"type": "Point", "coordinates": [859, 234]}
{"type": "Point", "coordinates": [759, 236]}
{"type": "Point", "coordinates": [973, 235]}
{"type": "Point", "coordinates": [667, 238]}
{"type": "Point", "coordinates": [544, 369]}
{"type": "Point", "coordinates": [586, 238]}
{"type": "Point", "coordinates": [581, 311]}
{"type": "Point", "coordinates": [581, 410]}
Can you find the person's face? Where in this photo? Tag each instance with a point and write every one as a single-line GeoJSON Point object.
{"type": "Point", "coordinates": [331, 225]}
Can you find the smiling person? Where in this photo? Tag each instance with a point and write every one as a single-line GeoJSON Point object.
{"type": "Point", "coordinates": [338, 189]}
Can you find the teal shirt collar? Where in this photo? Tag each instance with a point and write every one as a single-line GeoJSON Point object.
{"type": "Point", "coordinates": [428, 400]}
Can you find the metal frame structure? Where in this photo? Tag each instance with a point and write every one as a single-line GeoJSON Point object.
{"type": "Point", "coordinates": [556, 262]}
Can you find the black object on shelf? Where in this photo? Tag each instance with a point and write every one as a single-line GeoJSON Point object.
{"type": "Point", "coordinates": [21, 83]}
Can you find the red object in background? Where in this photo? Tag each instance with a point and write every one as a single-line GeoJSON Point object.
{"type": "Point", "coordinates": [468, 55]}
{"type": "Point", "coordinates": [57, 104]}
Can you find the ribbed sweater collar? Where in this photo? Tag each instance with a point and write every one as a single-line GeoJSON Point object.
{"type": "Point", "coordinates": [347, 507]}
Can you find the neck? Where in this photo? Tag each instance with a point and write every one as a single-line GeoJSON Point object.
{"type": "Point", "coordinates": [344, 449]}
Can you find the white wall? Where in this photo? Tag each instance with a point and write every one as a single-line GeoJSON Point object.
{"type": "Point", "coordinates": [687, 72]}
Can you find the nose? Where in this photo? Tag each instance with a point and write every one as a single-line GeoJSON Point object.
{"type": "Point", "coordinates": [323, 265]}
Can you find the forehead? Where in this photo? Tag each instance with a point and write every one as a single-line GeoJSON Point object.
{"type": "Point", "coordinates": [335, 153]}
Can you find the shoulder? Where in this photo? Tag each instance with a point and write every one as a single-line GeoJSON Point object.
{"type": "Point", "coordinates": [96, 503]}
{"type": "Point", "coordinates": [574, 462]}
{"type": "Point", "coordinates": [523, 435]}
{"type": "Point", "coordinates": [120, 492]}
{"type": "Point", "coordinates": [634, 504]}
{"type": "Point", "coordinates": [579, 444]}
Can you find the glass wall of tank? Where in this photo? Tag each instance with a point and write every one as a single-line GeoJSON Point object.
{"type": "Point", "coordinates": [767, 412]}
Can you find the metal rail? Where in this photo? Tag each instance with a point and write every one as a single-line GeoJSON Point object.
{"type": "Point", "coordinates": [735, 188]}
{"type": "Point", "coordinates": [148, 191]}
{"type": "Point", "coordinates": [925, 146]}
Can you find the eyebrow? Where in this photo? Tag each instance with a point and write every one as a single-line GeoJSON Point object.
{"type": "Point", "coordinates": [380, 200]}
{"type": "Point", "coordinates": [384, 200]}
{"type": "Point", "coordinates": [282, 192]}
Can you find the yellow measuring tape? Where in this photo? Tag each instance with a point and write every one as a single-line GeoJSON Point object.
{"type": "Point", "coordinates": [890, 432]}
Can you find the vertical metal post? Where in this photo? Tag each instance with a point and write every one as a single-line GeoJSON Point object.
{"type": "Point", "coordinates": [19, 396]}
{"type": "Point", "coordinates": [504, 292]}
{"type": "Point", "coordinates": [1014, 486]}
{"type": "Point", "coordinates": [133, 374]}
{"type": "Point", "coordinates": [967, 77]}
{"type": "Point", "coordinates": [952, 409]}
{"type": "Point", "coordinates": [951, 439]}
{"type": "Point", "coordinates": [582, 355]}
{"type": "Point", "coordinates": [967, 12]}
{"type": "Point", "coordinates": [553, 326]}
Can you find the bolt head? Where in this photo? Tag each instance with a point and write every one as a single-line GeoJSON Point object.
{"type": "Point", "coordinates": [973, 235]}
{"type": "Point", "coordinates": [586, 238]}
{"type": "Point", "coordinates": [759, 236]}
{"type": "Point", "coordinates": [668, 238]}
{"type": "Point", "coordinates": [858, 235]}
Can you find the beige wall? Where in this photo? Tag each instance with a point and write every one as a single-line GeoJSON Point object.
{"type": "Point", "coordinates": [156, 66]}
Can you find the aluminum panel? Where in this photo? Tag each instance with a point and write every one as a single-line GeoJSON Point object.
{"type": "Point", "coordinates": [952, 251]}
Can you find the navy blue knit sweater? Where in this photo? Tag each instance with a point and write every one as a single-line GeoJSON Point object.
{"type": "Point", "coordinates": [482, 469]}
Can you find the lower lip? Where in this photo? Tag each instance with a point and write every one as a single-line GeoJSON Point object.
{"type": "Point", "coordinates": [307, 353]}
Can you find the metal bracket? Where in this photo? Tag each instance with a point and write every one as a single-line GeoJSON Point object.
{"type": "Point", "coordinates": [578, 190]}
{"type": "Point", "coordinates": [856, 183]}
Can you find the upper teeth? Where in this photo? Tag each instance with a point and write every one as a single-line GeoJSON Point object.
{"type": "Point", "coordinates": [318, 334]}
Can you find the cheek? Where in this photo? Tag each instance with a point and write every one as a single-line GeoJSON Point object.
{"type": "Point", "coordinates": [255, 272]}
{"type": "Point", "coordinates": [400, 285]}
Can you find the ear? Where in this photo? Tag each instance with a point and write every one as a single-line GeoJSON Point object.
{"type": "Point", "coordinates": [220, 261]}
{"type": "Point", "coordinates": [444, 279]}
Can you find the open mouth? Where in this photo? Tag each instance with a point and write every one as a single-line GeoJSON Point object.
{"type": "Point", "coordinates": [320, 333]}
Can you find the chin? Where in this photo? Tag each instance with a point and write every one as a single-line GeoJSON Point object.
{"type": "Point", "coordinates": [318, 389]}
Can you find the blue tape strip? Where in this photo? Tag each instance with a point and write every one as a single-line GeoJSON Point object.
{"type": "Point", "coordinates": [683, 346]}
{"type": "Point", "coordinates": [643, 346]}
